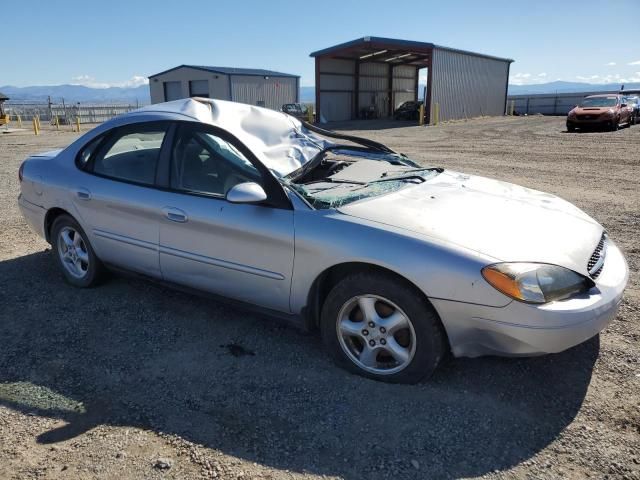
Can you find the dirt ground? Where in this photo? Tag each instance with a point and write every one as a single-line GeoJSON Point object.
{"type": "Point", "coordinates": [132, 380]}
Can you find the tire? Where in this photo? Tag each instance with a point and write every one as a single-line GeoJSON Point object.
{"type": "Point", "coordinates": [570, 128]}
{"type": "Point", "coordinates": [615, 125]}
{"type": "Point", "coordinates": [78, 262]}
{"type": "Point", "coordinates": [415, 334]}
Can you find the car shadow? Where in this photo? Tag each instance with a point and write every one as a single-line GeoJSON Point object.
{"type": "Point", "coordinates": [133, 353]}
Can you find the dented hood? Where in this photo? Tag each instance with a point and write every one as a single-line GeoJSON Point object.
{"type": "Point", "coordinates": [279, 141]}
{"type": "Point", "coordinates": [505, 221]}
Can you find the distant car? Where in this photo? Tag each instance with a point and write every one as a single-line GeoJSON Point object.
{"type": "Point", "coordinates": [396, 263]}
{"type": "Point", "coordinates": [407, 111]}
{"type": "Point", "coordinates": [599, 111]}
{"type": "Point", "coordinates": [297, 110]}
{"type": "Point", "coordinates": [634, 104]}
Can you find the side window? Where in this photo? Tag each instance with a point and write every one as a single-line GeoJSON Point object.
{"type": "Point", "coordinates": [85, 154]}
{"type": "Point", "coordinates": [205, 163]}
{"type": "Point", "coordinates": [131, 155]}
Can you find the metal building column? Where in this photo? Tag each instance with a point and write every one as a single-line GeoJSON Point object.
{"type": "Point", "coordinates": [318, 86]}
{"type": "Point", "coordinates": [356, 90]}
{"type": "Point", "coordinates": [390, 112]}
{"type": "Point", "coordinates": [427, 105]}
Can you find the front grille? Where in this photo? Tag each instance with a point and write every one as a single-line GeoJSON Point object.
{"type": "Point", "coordinates": [596, 261]}
{"type": "Point", "coordinates": [587, 117]}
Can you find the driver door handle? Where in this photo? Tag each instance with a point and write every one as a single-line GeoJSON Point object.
{"type": "Point", "coordinates": [175, 214]}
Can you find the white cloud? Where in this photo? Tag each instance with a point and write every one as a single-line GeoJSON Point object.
{"type": "Point", "coordinates": [520, 78]}
{"type": "Point", "coordinates": [610, 78]}
{"type": "Point", "coordinates": [542, 75]}
{"type": "Point", "coordinates": [611, 64]}
{"type": "Point", "coordinates": [637, 62]}
{"type": "Point", "coordinates": [89, 81]}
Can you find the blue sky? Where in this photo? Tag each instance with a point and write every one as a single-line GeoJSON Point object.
{"type": "Point", "coordinates": [120, 42]}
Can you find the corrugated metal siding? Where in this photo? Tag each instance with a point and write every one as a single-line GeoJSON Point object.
{"type": "Point", "coordinates": [467, 86]}
{"type": "Point", "coordinates": [271, 92]}
{"type": "Point", "coordinates": [404, 84]}
{"type": "Point", "coordinates": [336, 74]}
{"type": "Point", "coordinates": [335, 106]}
{"type": "Point", "coordinates": [548, 104]}
{"type": "Point", "coordinates": [336, 82]}
{"type": "Point", "coordinates": [337, 65]}
{"type": "Point", "coordinates": [374, 87]}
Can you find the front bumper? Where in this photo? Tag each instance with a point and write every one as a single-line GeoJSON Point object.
{"type": "Point", "coordinates": [520, 329]}
{"type": "Point", "coordinates": [596, 121]}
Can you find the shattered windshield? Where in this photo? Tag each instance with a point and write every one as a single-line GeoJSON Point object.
{"type": "Point", "coordinates": [344, 175]}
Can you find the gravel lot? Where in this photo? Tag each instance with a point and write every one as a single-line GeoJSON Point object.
{"type": "Point", "coordinates": [132, 380]}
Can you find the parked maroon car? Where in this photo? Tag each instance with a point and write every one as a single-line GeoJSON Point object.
{"type": "Point", "coordinates": [602, 111]}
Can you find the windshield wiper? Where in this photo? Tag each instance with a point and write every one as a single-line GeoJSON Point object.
{"type": "Point", "coordinates": [409, 174]}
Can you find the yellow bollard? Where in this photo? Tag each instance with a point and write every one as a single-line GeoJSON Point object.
{"type": "Point", "coordinates": [436, 114]}
{"type": "Point", "coordinates": [78, 124]}
{"type": "Point", "coordinates": [421, 115]}
{"type": "Point", "coordinates": [309, 115]}
{"type": "Point", "coordinates": [19, 121]}
{"type": "Point", "coordinates": [57, 123]}
{"type": "Point", "coordinates": [38, 123]}
{"type": "Point", "coordinates": [35, 126]}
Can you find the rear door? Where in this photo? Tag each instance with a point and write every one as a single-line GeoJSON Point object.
{"type": "Point", "coordinates": [116, 196]}
{"type": "Point", "coordinates": [242, 251]}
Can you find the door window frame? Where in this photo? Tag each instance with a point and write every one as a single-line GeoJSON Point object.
{"type": "Point", "coordinates": [276, 196]}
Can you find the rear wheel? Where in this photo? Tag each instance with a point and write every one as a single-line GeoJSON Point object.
{"type": "Point", "coordinates": [74, 254]}
{"type": "Point", "coordinates": [379, 327]}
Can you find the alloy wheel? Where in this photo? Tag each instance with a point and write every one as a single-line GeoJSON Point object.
{"type": "Point", "coordinates": [73, 252]}
{"type": "Point", "coordinates": [376, 334]}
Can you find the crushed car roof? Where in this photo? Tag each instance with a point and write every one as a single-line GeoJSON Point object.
{"type": "Point", "coordinates": [279, 141]}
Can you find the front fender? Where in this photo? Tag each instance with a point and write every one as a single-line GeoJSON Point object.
{"type": "Point", "coordinates": [326, 238]}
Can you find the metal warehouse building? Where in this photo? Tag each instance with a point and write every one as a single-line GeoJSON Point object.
{"type": "Point", "coordinates": [264, 88]}
{"type": "Point", "coordinates": [382, 73]}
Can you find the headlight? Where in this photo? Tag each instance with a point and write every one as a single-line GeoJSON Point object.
{"type": "Point", "coordinates": [535, 282]}
{"type": "Point", "coordinates": [572, 113]}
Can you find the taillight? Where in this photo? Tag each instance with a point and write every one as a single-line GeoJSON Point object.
{"type": "Point", "coordinates": [20, 170]}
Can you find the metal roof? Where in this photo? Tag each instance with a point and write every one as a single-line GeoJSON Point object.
{"type": "Point", "coordinates": [390, 50]}
{"type": "Point", "coordinates": [254, 72]}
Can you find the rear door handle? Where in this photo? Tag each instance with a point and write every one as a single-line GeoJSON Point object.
{"type": "Point", "coordinates": [175, 214]}
{"type": "Point", "coordinates": [83, 194]}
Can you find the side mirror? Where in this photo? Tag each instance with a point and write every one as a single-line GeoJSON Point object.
{"type": "Point", "coordinates": [623, 105]}
{"type": "Point", "coordinates": [248, 192]}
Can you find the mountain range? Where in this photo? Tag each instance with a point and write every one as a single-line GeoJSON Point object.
{"type": "Point", "coordinates": [78, 93]}
{"type": "Point", "coordinates": [81, 93]}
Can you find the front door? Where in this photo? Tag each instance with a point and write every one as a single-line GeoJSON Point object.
{"type": "Point", "coordinates": [242, 251]}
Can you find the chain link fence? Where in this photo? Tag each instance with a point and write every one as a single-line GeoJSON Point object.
{"type": "Point", "coordinates": [66, 114]}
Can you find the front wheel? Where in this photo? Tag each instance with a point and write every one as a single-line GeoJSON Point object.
{"type": "Point", "coordinates": [74, 254]}
{"type": "Point", "coordinates": [380, 327]}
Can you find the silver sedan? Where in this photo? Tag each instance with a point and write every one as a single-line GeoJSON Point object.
{"type": "Point", "coordinates": [395, 263]}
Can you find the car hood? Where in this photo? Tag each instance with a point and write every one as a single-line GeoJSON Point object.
{"type": "Point", "coordinates": [502, 220]}
{"type": "Point", "coordinates": [593, 110]}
